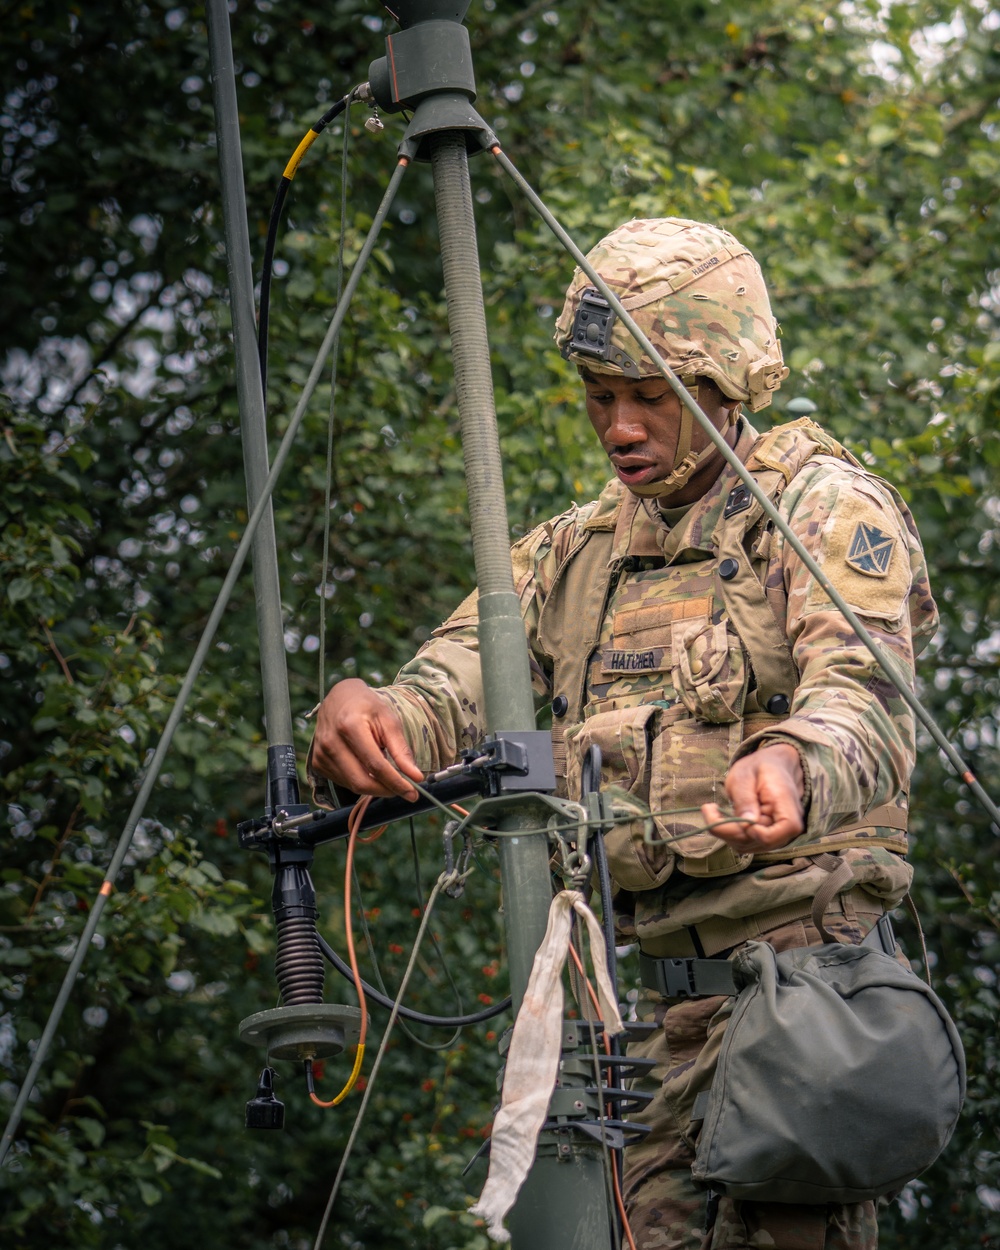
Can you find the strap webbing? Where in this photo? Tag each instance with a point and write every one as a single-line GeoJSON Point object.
{"type": "Point", "coordinates": [841, 877]}
{"type": "Point", "coordinates": [748, 606]}
{"type": "Point", "coordinates": [911, 907]}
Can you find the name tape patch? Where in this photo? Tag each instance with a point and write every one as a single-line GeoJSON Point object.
{"type": "Point", "coordinates": [634, 661]}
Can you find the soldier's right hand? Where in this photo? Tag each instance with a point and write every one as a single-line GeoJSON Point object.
{"type": "Point", "coordinates": [359, 743]}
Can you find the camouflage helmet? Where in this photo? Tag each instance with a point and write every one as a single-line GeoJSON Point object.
{"type": "Point", "coordinates": [696, 292]}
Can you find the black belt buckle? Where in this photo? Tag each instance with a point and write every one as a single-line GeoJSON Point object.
{"type": "Point", "coordinates": [673, 978]}
{"type": "Point", "coordinates": [687, 978]}
{"type": "Point", "coordinates": [885, 934]}
{"type": "Point", "coordinates": [881, 936]}
{"type": "Point", "coordinates": [677, 976]}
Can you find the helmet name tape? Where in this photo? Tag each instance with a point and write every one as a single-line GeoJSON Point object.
{"type": "Point", "coordinates": [670, 286]}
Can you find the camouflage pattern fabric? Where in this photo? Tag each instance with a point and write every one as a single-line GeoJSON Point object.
{"type": "Point", "coordinates": [666, 1210]}
{"type": "Point", "coordinates": [853, 731]}
{"type": "Point", "coordinates": [663, 685]}
{"type": "Point", "coordinates": [698, 295]}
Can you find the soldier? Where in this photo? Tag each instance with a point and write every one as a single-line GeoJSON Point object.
{"type": "Point", "coordinates": [670, 624]}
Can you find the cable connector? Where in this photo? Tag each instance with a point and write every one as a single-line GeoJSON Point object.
{"type": "Point", "coordinates": [264, 1110]}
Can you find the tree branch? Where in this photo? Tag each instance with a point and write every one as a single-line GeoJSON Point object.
{"type": "Point", "coordinates": [48, 878]}
{"type": "Point", "coordinates": [57, 653]}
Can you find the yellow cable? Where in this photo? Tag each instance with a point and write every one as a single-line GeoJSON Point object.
{"type": "Point", "coordinates": [357, 814]}
{"type": "Point", "coordinates": [359, 1054]}
{"type": "Point", "coordinates": [307, 141]}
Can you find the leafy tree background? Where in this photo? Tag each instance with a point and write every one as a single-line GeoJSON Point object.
{"type": "Point", "coordinates": [855, 149]}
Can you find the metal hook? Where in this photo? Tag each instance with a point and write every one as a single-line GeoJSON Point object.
{"type": "Point", "coordinates": [457, 870]}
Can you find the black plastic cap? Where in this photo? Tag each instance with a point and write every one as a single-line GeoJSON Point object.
{"type": "Point", "coordinates": [265, 1111]}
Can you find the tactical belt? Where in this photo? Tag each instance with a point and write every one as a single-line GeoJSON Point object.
{"type": "Point", "coordinates": [721, 933]}
{"type": "Point", "coordinates": [687, 978]}
{"type": "Point", "coordinates": [705, 978]}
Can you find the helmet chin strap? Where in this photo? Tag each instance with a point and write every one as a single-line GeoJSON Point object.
{"type": "Point", "coordinates": [686, 462]}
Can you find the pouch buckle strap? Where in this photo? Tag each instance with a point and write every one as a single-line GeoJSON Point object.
{"type": "Point", "coordinates": [839, 881]}
{"type": "Point", "coordinates": [881, 936]}
{"type": "Point", "coordinates": [687, 978]}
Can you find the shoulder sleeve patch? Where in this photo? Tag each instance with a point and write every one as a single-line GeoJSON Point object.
{"type": "Point", "coordinates": [864, 554]}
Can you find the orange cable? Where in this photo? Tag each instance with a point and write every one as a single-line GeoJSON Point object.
{"type": "Point", "coordinates": [353, 824]}
{"type": "Point", "coordinates": [374, 837]}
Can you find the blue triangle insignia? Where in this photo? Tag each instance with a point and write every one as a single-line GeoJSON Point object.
{"type": "Point", "coordinates": [871, 550]}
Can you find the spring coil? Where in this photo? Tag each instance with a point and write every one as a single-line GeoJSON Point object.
{"type": "Point", "coordinates": [298, 965]}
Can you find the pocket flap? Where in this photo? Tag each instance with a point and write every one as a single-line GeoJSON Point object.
{"type": "Point", "coordinates": [624, 737]}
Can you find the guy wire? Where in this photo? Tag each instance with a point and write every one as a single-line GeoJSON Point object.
{"type": "Point", "coordinates": [327, 493]}
{"type": "Point", "coordinates": [194, 668]}
{"type": "Point", "coordinates": [380, 981]}
{"type": "Point", "coordinates": [437, 950]}
{"type": "Point", "coordinates": [425, 920]}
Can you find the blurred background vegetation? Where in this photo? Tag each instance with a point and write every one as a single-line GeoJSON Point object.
{"type": "Point", "coordinates": [855, 148]}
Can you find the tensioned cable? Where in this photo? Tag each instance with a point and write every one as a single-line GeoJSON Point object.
{"type": "Point", "coordinates": [442, 881]}
{"type": "Point", "coordinates": [370, 946]}
{"type": "Point", "coordinates": [421, 904]}
{"type": "Point", "coordinates": [328, 488]}
{"type": "Point", "coordinates": [386, 1000]}
{"type": "Point", "coordinates": [888, 663]}
{"type": "Point", "coordinates": [625, 815]}
{"type": "Point", "coordinates": [201, 651]}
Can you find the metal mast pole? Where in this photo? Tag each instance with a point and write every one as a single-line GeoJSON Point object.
{"type": "Point", "coordinates": [502, 646]}
{"type": "Point", "coordinates": [564, 1201]}
{"type": "Point", "coordinates": [282, 782]}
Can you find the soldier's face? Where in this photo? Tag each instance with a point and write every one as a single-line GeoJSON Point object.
{"type": "Point", "coordinates": [638, 422]}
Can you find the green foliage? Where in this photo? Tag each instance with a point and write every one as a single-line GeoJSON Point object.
{"type": "Point", "coordinates": [854, 149]}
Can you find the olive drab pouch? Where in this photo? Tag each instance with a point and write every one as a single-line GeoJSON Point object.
{"type": "Point", "coordinates": [625, 737]}
{"type": "Point", "coordinates": [709, 670]}
{"type": "Point", "coordinates": [840, 1078]}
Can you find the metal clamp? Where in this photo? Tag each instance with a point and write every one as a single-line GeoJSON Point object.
{"type": "Point", "coordinates": [518, 760]}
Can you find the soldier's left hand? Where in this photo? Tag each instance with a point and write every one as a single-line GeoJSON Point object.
{"type": "Point", "coordinates": [765, 788]}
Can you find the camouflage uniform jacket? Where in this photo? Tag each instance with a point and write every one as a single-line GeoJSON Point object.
{"type": "Point", "coordinates": [678, 649]}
